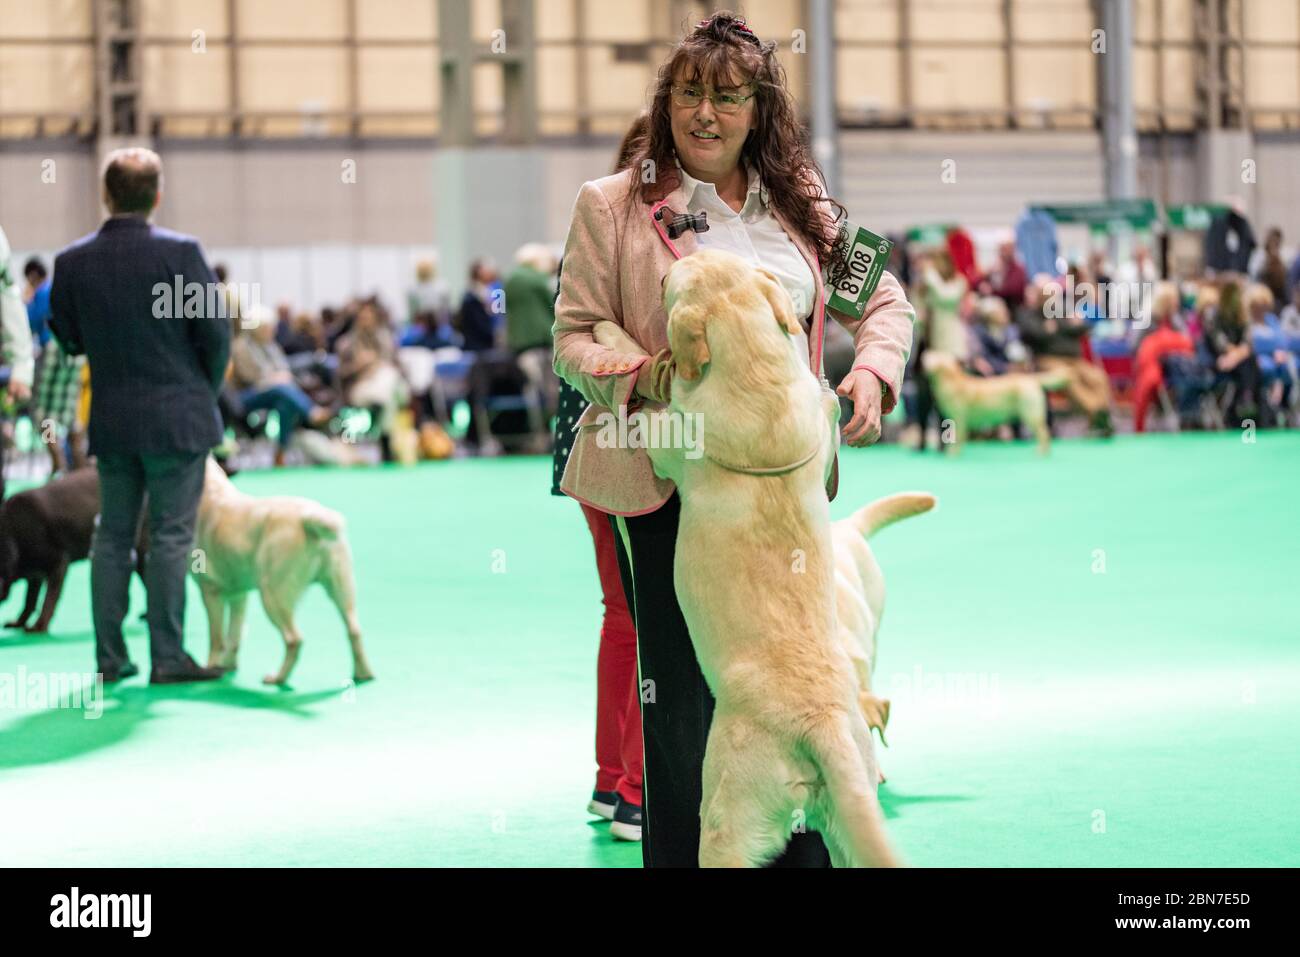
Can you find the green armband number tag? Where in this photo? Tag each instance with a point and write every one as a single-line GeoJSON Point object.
{"type": "Point", "coordinates": [855, 268]}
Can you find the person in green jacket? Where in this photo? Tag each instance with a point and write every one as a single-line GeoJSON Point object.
{"type": "Point", "coordinates": [530, 313]}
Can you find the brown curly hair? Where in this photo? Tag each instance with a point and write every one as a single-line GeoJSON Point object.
{"type": "Point", "coordinates": [715, 51]}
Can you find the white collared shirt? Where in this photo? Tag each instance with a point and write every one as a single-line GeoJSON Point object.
{"type": "Point", "coordinates": [755, 236]}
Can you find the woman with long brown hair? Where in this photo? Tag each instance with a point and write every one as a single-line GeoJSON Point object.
{"type": "Point", "coordinates": [1227, 337]}
{"type": "Point", "coordinates": [724, 164]}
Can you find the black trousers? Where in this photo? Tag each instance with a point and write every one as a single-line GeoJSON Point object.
{"type": "Point", "coordinates": [1249, 400]}
{"type": "Point", "coordinates": [174, 484]}
{"type": "Point", "coordinates": [919, 402]}
{"type": "Point", "coordinates": [676, 704]}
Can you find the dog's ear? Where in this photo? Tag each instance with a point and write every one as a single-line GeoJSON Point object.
{"type": "Point", "coordinates": [779, 300]}
{"type": "Point", "coordinates": [687, 339]}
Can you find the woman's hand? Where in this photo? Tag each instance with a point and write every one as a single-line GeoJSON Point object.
{"type": "Point", "coordinates": [18, 391]}
{"type": "Point", "coordinates": [865, 390]}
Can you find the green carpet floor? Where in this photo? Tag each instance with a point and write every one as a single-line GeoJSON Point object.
{"type": "Point", "coordinates": [1094, 660]}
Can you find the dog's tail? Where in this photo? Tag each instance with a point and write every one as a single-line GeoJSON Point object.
{"type": "Point", "coordinates": [1053, 380]}
{"type": "Point", "coordinates": [323, 524]}
{"type": "Point", "coordinates": [855, 822]}
{"type": "Point", "coordinates": [892, 508]}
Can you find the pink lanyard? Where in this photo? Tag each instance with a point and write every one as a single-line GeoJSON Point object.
{"type": "Point", "coordinates": [660, 228]}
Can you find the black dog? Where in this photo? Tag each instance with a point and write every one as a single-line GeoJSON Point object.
{"type": "Point", "coordinates": [44, 530]}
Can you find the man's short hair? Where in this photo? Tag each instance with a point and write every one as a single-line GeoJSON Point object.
{"type": "Point", "coordinates": [132, 177]}
{"type": "Point", "coordinates": [34, 265]}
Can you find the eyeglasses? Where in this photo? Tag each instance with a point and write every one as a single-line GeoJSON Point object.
{"type": "Point", "coordinates": [691, 97]}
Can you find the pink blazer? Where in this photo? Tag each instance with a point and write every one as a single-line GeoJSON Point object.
{"type": "Point", "coordinates": [615, 260]}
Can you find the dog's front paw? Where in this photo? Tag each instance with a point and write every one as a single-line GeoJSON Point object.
{"type": "Point", "coordinates": [606, 333]}
{"type": "Point", "coordinates": [16, 623]}
{"type": "Point", "coordinates": [613, 336]}
{"type": "Point", "coordinates": [37, 628]}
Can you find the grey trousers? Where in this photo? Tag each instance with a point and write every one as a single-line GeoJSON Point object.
{"type": "Point", "coordinates": [174, 484]}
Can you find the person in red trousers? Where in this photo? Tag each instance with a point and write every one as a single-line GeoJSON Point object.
{"type": "Point", "coordinates": [1163, 340]}
{"type": "Point", "coordinates": [617, 795]}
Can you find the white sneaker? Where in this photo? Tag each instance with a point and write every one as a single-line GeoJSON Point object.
{"type": "Point", "coordinates": [626, 825]}
{"type": "Point", "coordinates": [602, 804]}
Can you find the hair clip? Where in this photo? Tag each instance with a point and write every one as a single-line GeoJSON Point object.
{"type": "Point", "coordinates": [736, 22]}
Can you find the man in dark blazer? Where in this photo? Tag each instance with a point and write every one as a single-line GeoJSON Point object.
{"type": "Point", "coordinates": [137, 301]}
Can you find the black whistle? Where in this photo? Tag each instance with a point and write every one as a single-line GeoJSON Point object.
{"type": "Point", "coordinates": [681, 222]}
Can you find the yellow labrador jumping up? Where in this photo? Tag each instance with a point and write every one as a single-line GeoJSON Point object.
{"type": "Point", "coordinates": [278, 546]}
{"type": "Point", "coordinates": [755, 574]}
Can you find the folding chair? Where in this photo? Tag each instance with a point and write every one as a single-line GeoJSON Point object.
{"type": "Point", "coordinates": [506, 412]}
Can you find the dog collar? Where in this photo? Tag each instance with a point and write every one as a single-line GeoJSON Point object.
{"type": "Point", "coordinates": [756, 470]}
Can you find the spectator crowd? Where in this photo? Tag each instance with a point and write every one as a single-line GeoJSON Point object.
{"type": "Point", "coordinates": [315, 387]}
{"type": "Point", "coordinates": [1215, 351]}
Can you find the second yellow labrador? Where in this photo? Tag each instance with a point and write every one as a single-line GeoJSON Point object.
{"type": "Point", "coordinates": [278, 547]}
{"type": "Point", "coordinates": [977, 402]}
{"type": "Point", "coordinates": [755, 573]}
